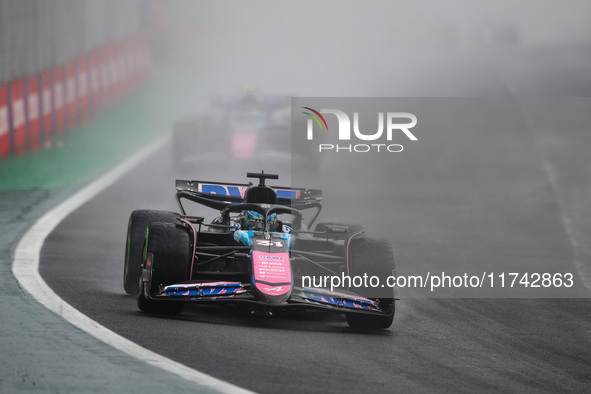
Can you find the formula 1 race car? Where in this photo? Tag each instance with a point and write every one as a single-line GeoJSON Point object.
{"type": "Point", "coordinates": [258, 253]}
{"type": "Point", "coordinates": [250, 128]}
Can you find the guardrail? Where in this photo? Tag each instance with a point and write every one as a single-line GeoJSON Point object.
{"type": "Point", "coordinates": [35, 108]}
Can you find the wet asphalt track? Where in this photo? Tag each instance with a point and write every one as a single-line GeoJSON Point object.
{"type": "Point", "coordinates": [455, 202]}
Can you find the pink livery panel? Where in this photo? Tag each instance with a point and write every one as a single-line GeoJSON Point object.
{"type": "Point", "coordinates": [272, 273]}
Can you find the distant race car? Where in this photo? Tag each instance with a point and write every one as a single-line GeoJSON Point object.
{"type": "Point", "coordinates": [256, 253]}
{"type": "Point", "coordinates": [250, 128]}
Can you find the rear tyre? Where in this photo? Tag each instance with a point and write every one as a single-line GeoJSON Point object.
{"type": "Point", "coordinates": [139, 220]}
{"type": "Point", "coordinates": [374, 257]}
{"type": "Point", "coordinates": [170, 250]}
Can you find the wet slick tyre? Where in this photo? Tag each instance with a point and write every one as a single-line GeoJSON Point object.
{"type": "Point", "coordinates": [374, 257]}
{"type": "Point", "coordinates": [139, 220]}
{"type": "Point", "coordinates": [169, 248]}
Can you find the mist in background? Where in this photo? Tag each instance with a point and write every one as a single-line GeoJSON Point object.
{"type": "Point", "coordinates": [328, 48]}
{"type": "Point", "coordinates": [504, 185]}
{"type": "Point", "coordinates": [386, 48]}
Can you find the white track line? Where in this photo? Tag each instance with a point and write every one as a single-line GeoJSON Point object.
{"type": "Point", "coordinates": [581, 268]}
{"type": "Point", "coordinates": [25, 268]}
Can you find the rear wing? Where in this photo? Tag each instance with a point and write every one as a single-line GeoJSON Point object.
{"type": "Point", "coordinates": [260, 99]}
{"type": "Point", "coordinates": [219, 195]}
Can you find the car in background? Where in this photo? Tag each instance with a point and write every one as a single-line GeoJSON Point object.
{"type": "Point", "coordinates": [251, 129]}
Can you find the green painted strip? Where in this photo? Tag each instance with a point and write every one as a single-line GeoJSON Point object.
{"type": "Point", "coordinates": [81, 154]}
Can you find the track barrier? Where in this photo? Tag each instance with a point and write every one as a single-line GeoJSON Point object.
{"type": "Point", "coordinates": [36, 108]}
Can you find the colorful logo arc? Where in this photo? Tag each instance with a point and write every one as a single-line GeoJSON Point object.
{"type": "Point", "coordinates": [316, 117]}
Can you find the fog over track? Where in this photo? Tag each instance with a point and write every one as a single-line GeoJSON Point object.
{"type": "Point", "coordinates": [435, 344]}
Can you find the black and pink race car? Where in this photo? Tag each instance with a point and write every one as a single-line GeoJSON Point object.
{"type": "Point", "coordinates": [258, 253]}
{"type": "Point", "coordinates": [250, 129]}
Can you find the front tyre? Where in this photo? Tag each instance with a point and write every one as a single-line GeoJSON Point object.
{"type": "Point", "coordinates": [167, 260]}
{"type": "Point", "coordinates": [139, 220]}
{"type": "Point", "coordinates": [374, 257]}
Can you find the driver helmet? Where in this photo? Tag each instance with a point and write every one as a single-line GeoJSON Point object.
{"type": "Point", "coordinates": [254, 221]}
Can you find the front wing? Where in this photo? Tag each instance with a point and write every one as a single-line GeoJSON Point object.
{"type": "Point", "coordinates": [302, 298]}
